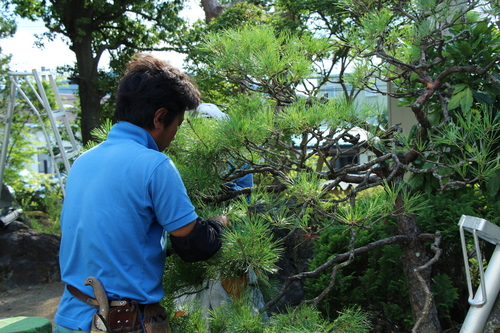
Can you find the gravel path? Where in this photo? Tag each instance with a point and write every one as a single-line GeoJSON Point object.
{"type": "Point", "coordinates": [37, 301]}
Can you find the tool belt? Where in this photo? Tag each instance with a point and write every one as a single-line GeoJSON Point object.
{"type": "Point", "coordinates": [125, 316]}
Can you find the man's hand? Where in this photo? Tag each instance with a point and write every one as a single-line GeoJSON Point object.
{"type": "Point", "coordinates": [224, 220]}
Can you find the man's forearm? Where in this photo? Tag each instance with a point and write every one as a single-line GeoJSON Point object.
{"type": "Point", "coordinates": [201, 243]}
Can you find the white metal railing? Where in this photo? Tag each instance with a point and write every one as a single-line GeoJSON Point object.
{"type": "Point", "coordinates": [482, 302]}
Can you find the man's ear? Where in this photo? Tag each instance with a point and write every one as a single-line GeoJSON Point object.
{"type": "Point", "coordinates": [159, 115]}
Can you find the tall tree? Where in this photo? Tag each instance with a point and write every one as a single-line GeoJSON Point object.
{"type": "Point", "coordinates": [94, 27]}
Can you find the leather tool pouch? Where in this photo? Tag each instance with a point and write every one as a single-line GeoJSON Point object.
{"type": "Point", "coordinates": [155, 319]}
{"type": "Point", "coordinates": [125, 318]}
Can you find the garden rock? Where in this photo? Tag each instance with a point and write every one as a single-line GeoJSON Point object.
{"type": "Point", "coordinates": [298, 251]}
{"type": "Point", "coordinates": [27, 257]}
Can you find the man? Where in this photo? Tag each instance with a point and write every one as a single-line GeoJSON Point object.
{"type": "Point", "coordinates": [121, 198]}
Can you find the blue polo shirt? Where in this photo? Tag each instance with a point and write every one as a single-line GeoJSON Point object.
{"type": "Point", "coordinates": [120, 198]}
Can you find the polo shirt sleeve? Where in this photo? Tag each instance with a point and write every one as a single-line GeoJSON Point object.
{"type": "Point", "coordinates": [169, 198]}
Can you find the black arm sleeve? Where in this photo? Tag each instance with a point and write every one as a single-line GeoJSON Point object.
{"type": "Point", "coordinates": [201, 244]}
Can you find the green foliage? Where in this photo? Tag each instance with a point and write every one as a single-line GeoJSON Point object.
{"type": "Point", "coordinates": [240, 13]}
{"type": "Point", "coordinates": [267, 55]}
{"type": "Point", "coordinates": [476, 44]}
{"type": "Point", "coordinates": [352, 320]}
{"type": "Point", "coordinates": [249, 244]}
{"type": "Point", "coordinates": [333, 113]}
{"type": "Point", "coordinates": [189, 322]}
{"type": "Point", "coordinates": [462, 97]}
{"type": "Point", "coordinates": [262, 60]}
{"type": "Point", "coordinates": [375, 282]}
{"type": "Point", "coordinates": [481, 44]}
{"type": "Point", "coordinates": [463, 149]}
{"type": "Point", "coordinates": [307, 119]}
{"type": "Point", "coordinates": [198, 156]}
{"type": "Point", "coordinates": [40, 197]}
{"type": "Point", "coordinates": [237, 317]}
{"type": "Point", "coordinates": [240, 317]}
{"type": "Point", "coordinates": [413, 201]}
{"type": "Point", "coordinates": [7, 29]}
{"type": "Point", "coordinates": [180, 275]}
{"type": "Point", "coordinates": [445, 294]}
{"type": "Point", "coordinates": [245, 112]}
{"type": "Point", "coordinates": [99, 134]}
{"type": "Point", "coordinates": [364, 210]}
{"type": "Point", "coordinates": [7, 26]}
{"type": "Point", "coordinates": [308, 319]}
{"type": "Point", "coordinates": [21, 150]}
{"type": "Point", "coordinates": [215, 88]}
{"type": "Point", "coordinates": [207, 151]}
{"type": "Point", "coordinates": [413, 48]}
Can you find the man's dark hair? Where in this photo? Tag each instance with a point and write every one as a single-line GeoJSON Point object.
{"type": "Point", "coordinates": [150, 84]}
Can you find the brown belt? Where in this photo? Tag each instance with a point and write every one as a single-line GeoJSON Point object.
{"type": "Point", "coordinates": [155, 317]}
{"type": "Point", "coordinates": [92, 301]}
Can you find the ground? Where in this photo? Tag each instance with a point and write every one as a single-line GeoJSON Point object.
{"type": "Point", "coordinates": [37, 301]}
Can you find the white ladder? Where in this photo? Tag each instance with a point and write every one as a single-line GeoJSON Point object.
{"type": "Point", "coordinates": [55, 117]}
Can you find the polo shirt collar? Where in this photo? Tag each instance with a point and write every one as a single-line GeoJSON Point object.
{"type": "Point", "coordinates": [127, 131]}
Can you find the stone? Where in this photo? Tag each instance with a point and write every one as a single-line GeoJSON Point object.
{"type": "Point", "coordinates": [27, 257]}
{"type": "Point", "coordinates": [298, 251]}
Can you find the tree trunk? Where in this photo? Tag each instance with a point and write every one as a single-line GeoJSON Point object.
{"type": "Point", "coordinates": [90, 97]}
{"type": "Point", "coordinates": [414, 256]}
{"type": "Point", "coordinates": [214, 9]}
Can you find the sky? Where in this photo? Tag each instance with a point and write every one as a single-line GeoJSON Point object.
{"type": "Point", "coordinates": [26, 56]}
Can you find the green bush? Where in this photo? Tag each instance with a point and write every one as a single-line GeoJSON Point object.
{"type": "Point", "coordinates": [376, 281]}
{"type": "Point", "coordinates": [238, 316]}
{"type": "Point", "coordinates": [40, 197]}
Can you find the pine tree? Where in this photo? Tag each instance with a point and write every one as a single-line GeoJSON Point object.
{"type": "Point", "coordinates": [292, 138]}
